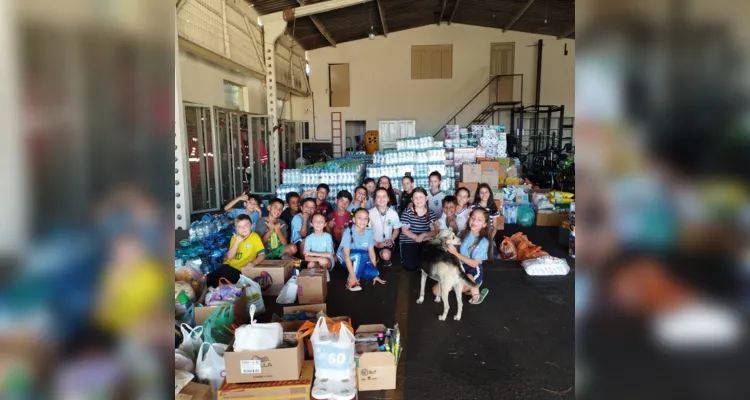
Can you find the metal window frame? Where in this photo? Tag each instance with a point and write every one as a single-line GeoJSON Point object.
{"type": "Point", "coordinates": [214, 137]}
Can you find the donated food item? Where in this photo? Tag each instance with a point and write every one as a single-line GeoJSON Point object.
{"type": "Point", "coordinates": [546, 265]}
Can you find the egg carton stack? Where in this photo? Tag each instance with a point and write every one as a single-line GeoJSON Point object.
{"type": "Point", "coordinates": [494, 142]}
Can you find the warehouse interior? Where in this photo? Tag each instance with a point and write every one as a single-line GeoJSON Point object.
{"type": "Point", "coordinates": [265, 89]}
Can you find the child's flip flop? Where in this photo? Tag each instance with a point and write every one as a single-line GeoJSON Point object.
{"type": "Point", "coordinates": [482, 295]}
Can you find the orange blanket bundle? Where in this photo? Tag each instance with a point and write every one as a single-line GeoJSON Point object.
{"type": "Point", "coordinates": [518, 247]}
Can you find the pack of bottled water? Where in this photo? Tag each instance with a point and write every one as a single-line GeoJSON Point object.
{"type": "Point", "coordinates": [418, 156]}
{"type": "Point", "coordinates": [292, 176]}
{"type": "Point", "coordinates": [344, 173]}
{"type": "Point", "coordinates": [287, 188]}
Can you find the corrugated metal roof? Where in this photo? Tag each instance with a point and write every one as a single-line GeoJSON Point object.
{"type": "Point", "coordinates": [353, 23]}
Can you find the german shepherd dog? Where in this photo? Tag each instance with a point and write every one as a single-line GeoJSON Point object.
{"type": "Point", "coordinates": [445, 268]}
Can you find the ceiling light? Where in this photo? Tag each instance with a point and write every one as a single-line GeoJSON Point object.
{"type": "Point", "coordinates": [372, 33]}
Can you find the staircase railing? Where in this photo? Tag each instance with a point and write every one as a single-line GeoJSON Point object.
{"type": "Point", "coordinates": [494, 79]}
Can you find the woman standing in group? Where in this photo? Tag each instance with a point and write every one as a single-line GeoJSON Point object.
{"type": "Point", "coordinates": [385, 183]}
{"type": "Point", "coordinates": [416, 229]}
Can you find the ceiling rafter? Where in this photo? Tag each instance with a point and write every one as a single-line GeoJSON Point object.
{"type": "Point", "coordinates": [442, 11]}
{"type": "Point", "coordinates": [518, 15]}
{"type": "Point", "coordinates": [454, 12]}
{"type": "Point", "coordinates": [322, 29]}
{"type": "Point", "coordinates": [567, 32]}
{"type": "Point", "coordinates": [382, 18]}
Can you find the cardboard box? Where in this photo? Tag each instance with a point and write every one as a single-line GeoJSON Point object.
{"type": "Point", "coordinates": [312, 286]}
{"type": "Point", "coordinates": [471, 172]}
{"type": "Point", "coordinates": [298, 389]}
{"type": "Point", "coordinates": [195, 391]}
{"type": "Point", "coordinates": [241, 317]}
{"type": "Point", "coordinates": [376, 371]}
{"type": "Point", "coordinates": [490, 166]}
{"type": "Point", "coordinates": [270, 275]}
{"type": "Point", "coordinates": [265, 365]}
{"type": "Point", "coordinates": [491, 178]}
{"type": "Point", "coordinates": [472, 186]}
{"type": "Point", "coordinates": [551, 218]}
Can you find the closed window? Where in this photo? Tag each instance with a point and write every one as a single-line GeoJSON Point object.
{"type": "Point", "coordinates": [432, 62]}
{"type": "Point", "coordinates": [232, 95]}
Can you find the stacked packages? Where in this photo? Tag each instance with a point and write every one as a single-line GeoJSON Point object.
{"type": "Point", "coordinates": [418, 156]}
{"type": "Point", "coordinates": [339, 174]}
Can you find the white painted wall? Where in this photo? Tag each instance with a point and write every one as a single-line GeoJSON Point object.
{"type": "Point", "coordinates": [203, 83]}
{"type": "Point", "coordinates": [382, 88]}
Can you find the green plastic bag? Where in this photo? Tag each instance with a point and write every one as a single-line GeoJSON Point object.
{"type": "Point", "coordinates": [216, 328]}
{"type": "Point", "coordinates": [525, 216]}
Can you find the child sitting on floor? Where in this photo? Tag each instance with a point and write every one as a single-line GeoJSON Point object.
{"type": "Point", "coordinates": [341, 218]}
{"type": "Point", "coordinates": [252, 208]}
{"type": "Point", "coordinates": [475, 249]}
{"type": "Point", "coordinates": [385, 224]}
{"type": "Point", "coordinates": [246, 250]}
{"type": "Point", "coordinates": [273, 232]}
{"type": "Point", "coordinates": [301, 223]}
{"type": "Point", "coordinates": [318, 251]}
{"type": "Point", "coordinates": [357, 252]}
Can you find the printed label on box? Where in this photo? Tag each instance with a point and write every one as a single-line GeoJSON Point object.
{"type": "Point", "coordinates": [250, 366]}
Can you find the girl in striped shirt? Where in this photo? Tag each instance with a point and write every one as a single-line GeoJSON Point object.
{"type": "Point", "coordinates": [416, 229]}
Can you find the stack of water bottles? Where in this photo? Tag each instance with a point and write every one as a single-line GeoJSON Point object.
{"type": "Point", "coordinates": [208, 242]}
{"type": "Point", "coordinates": [344, 173]}
{"type": "Point", "coordinates": [418, 156]}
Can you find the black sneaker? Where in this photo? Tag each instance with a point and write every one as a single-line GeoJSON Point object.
{"type": "Point", "coordinates": [387, 264]}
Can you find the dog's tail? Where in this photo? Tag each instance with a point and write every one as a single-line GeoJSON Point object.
{"type": "Point", "coordinates": [466, 280]}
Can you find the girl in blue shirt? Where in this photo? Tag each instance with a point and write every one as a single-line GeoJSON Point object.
{"type": "Point", "coordinates": [318, 251]}
{"type": "Point", "coordinates": [357, 252]}
{"type": "Point", "coordinates": [475, 249]}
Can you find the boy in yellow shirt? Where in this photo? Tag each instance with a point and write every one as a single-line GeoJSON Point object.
{"type": "Point", "coordinates": [245, 250]}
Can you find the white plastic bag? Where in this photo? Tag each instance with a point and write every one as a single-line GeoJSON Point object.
{"type": "Point", "coordinates": [288, 294]}
{"type": "Point", "coordinates": [183, 361]}
{"type": "Point", "coordinates": [210, 366]}
{"type": "Point", "coordinates": [546, 265]}
{"type": "Point", "coordinates": [333, 352]}
{"type": "Point", "coordinates": [253, 293]}
{"type": "Point", "coordinates": [192, 338]}
{"type": "Point", "coordinates": [256, 336]}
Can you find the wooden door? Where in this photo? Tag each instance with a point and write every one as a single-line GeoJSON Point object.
{"type": "Point", "coordinates": [339, 85]}
{"type": "Point", "coordinates": [502, 60]}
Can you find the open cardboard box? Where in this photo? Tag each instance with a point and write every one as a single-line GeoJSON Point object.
{"type": "Point", "coordinates": [270, 275]}
{"type": "Point", "coordinates": [296, 389]}
{"type": "Point", "coordinates": [194, 391]}
{"type": "Point", "coordinates": [241, 316]}
{"type": "Point", "coordinates": [376, 371]}
{"type": "Point", "coordinates": [283, 364]}
{"type": "Point", "coordinates": [312, 286]}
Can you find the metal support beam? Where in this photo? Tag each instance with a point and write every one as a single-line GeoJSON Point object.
{"type": "Point", "coordinates": [317, 8]}
{"type": "Point", "coordinates": [441, 11]}
{"type": "Point", "coordinates": [382, 18]}
{"type": "Point", "coordinates": [567, 32]}
{"type": "Point", "coordinates": [322, 29]}
{"type": "Point", "coordinates": [181, 176]}
{"type": "Point", "coordinates": [518, 15]}
{"type": "Point", "coordinates": [250, 32]}
{"type": "Point", "coordinates": [454, 12]}
{"type": "Point", "coordinates": [274, 25]}
{"type": "Point", "coordinates": [227, 53]}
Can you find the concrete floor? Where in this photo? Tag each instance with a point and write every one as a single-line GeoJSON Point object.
{"type": "Point", "coordinates": [518, 344]}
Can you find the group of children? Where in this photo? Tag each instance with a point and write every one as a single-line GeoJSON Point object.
{"type": "Point", "coordinates": [363, 229]}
